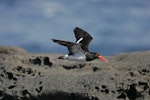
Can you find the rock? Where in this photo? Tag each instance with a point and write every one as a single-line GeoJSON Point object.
{"type": "Point", "coordinates": [11, 50]}
{"type": "Point", "coordinates": [26, 76]}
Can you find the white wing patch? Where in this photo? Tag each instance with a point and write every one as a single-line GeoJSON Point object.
{"type": "Point", "coordinates": [79, 40]}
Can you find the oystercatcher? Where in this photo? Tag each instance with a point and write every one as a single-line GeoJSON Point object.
{"type": "Point", "coordinates": [79, 50]}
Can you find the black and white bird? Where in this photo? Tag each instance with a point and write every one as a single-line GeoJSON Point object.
{"type": "Point", "coordinates": [79, 50]}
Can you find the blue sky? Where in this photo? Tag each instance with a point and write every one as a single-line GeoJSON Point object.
{"type": "Point", "coordinates": [116, 25]}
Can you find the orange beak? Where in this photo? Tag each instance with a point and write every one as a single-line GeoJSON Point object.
{"type": "Point", "coordinates": [103, 58]}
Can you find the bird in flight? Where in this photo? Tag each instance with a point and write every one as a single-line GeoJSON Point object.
{"type": "Point", "coordinates": [79, 50]}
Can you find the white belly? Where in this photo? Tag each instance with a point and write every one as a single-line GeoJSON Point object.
{"type": "Point", "coordinates": [77, 57]}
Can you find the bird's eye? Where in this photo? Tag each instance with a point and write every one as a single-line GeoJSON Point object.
{"type": "Point", "coordinates": [97, 54]}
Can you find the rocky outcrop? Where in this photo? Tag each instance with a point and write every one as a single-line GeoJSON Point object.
{"type": "Point", "coordinates": [28, 76]}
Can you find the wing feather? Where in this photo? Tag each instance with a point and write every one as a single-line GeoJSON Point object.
{"type": "Point", "coordinates": [72, 47]}
{"type": "Point", "coordinates": [87, 38]}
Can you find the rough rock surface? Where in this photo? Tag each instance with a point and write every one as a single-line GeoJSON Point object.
{"type": "Point", "coordinates": [27, 76]}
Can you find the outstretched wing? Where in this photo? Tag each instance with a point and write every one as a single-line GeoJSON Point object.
{"type": "Point", "coordinates": [73, 48]}
{"type": "Point", "coordinates": [83, 37]}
